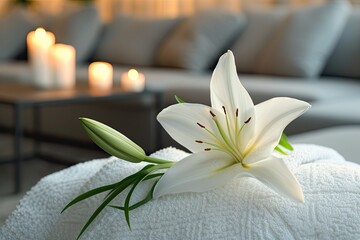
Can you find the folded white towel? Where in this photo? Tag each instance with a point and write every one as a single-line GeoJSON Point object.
{"type": "Point", "coordinates": [243, 209]}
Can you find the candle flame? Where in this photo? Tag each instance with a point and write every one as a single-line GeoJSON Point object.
{"type": "Point", "coordinates": [40, 33]}
{"type": "Point", "coordinates": [133, 74]}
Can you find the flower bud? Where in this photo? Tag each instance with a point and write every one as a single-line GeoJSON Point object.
{"type": "Point", "coordinates": [112, 142]}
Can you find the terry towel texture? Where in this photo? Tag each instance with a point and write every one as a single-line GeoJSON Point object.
{"type": "Point", "coordinates": [243, 209]}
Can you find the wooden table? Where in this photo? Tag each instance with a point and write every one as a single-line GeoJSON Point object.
{"type": "Point", "coordinates": [21, 96]}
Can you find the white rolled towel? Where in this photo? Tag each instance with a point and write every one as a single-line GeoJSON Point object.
{"type": "Point", "coordinates": [243, 209]}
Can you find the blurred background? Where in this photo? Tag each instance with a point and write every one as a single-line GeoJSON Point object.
{"type": "Point", "coordinates": [149, 8]}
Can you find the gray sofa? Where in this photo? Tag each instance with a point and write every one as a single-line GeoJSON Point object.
{"type": "Point", "coordinates": [310, 53]}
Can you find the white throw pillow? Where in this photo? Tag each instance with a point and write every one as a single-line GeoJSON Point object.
{"type": "Point", "coordinates": [197, 43]}
{"type": "Point", "coordinates": [133, 41]}
{"type": "Point", "coordinates": [304, 40]}
{"type": "Point", "coordinates": [345, 59]}
{"type": "Point", "coordinates": [13, 30]}
{"type": "Point", "coordinates": [77, 27]}
{"type": "Point", "coordinates": [261, 25]}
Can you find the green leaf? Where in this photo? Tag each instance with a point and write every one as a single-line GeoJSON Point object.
{"type": "Point", "coordinates": [277, 148]}
{"type": "Point", "coordinates": [121, 187]}
{"type": "Point", "coordinates": [179, 100]}
{"type": "Point", "coordinates": [139, 172]}
{"type": "Point", "coordinates": [117, 188]}
{"type": "Point", "coordinates": [285, 143]}
{"type": "Point", "coordinates": [127, 200]}
{"type": "Point", "coordinates": [148, 197]}
{"type": "Point", "coordinates": [151, 176]}
{"type": "Point", "coordinates": [89, 194]}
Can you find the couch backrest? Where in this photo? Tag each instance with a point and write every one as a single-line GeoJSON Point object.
{"type": "Point", "coordinates": [13, 30]}
{"type": "Point", "coordinates": [193, 43]}
{"type": "Point", "coordinates": [200, 40]}
{"type": "Point", "coordinates": [291, 41]}
{"type": "Point", "coordinates": [345, 59]}
{"type": "Point", "coordinates": [130, 40]}
{"type": "Point", "coordinates": [79, 27]}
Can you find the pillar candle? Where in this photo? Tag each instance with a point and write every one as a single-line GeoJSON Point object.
{"type": "Point", "coordinates": [100, 75]}
{"type": "Point", "coordinates": [39, 43]}
{"type": "Point", "coordinates": [63, 64]}
{"type": "Point", "coordinates": [133, 81]}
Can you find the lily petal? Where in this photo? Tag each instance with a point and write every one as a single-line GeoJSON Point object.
{"type": "Point", "coordinates": [272, 117]}
{"type": "Point", "coordinates": [274, 173]}
{"type": "Point", "coordinates": [226, 90]}
{"type": "Point", "coordinates": [181, 122]}
{"type": "Point", "coordinates": [199, 172]}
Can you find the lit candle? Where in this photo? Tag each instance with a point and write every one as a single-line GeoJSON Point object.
{"type": "Point", "coordinates": [63, 64]}
{"type": "Point", "coordinates": [100, 75]}
{"type": "Point", "coordinates": [39, 43]}
{"type": "Point", "coordinates": [133, 81]}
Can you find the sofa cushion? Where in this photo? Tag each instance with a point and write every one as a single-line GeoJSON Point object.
{"type": "Point", "coordinates": [77, 27]}
{"type": "Point", "coordinates": [261, 24]}
{"type": "Point", "coordinates": [343, 139]}
{"type": "Point", "coordinates": [15, 71]}
{"type": "Point", "coordinates": [333, 112]}
{"type": "Point", "coordinates": [183, 83]}
{"type": "Point", "coordinates": [133, 41]}
{"type": "Point", "coordinates": [197, 43]}
{"type": "Point", "coordinates": [304, 40]}
{"type": "Point", "coordinates": [13, 30]}
{"type": "Point", "coordinates": [345, 59]}
{"type": "Point", "coordinates": [262, 88]}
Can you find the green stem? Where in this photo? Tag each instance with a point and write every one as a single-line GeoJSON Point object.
{"type": "Point", "coordinates": [159, 166]}
{"type": "Point", "coordinates": [156, 160]}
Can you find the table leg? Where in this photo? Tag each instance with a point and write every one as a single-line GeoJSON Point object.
{"type": "Point", "coordinates": [158, 129]}
{"type": "Point", "coordinates": [36, 131]}
{"type": "Point", "coordinates": [18, 132]}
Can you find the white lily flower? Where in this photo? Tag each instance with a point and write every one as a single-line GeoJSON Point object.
{"type": "Point", "coordinates": [229, 139]}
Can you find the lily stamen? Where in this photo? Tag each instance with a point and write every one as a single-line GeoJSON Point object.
{"type": "Point", "coordinates": [221, 143]}
{"type": "Point", "coordinates": [236, 125]}
{"type": "Point", "coordinates": [238, 132]}
{"type": "Point", "coordinates": [229, 144]}
{"type": "Point", "coordinates": [216, 138]}
{"type": "Point", "coordinates": [230, 130]}
{"type": "Point", "coordinates": [228, 126]}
